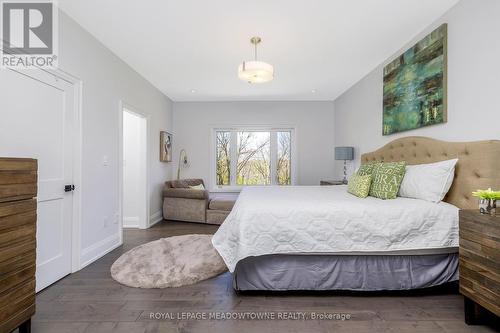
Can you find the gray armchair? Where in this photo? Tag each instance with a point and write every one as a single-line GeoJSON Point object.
{"type": "Point", "coordinates": [182, 203]}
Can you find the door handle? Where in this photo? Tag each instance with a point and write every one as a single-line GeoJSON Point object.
{"type": "Point", "coordinates": [69, 188]}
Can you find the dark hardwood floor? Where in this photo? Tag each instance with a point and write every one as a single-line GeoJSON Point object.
{"type": "Point", "coordinates": [90, 301]}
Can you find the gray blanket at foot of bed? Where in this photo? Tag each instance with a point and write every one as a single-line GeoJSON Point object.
{"type": "Point", "coordinates": [345, 272]}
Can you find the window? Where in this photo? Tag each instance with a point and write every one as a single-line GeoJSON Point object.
{"type": "Point", "coordinates": [223, 159]}
{"type": "Point", "coordinates": [284, 160]}
{"type": "Point", "coordinates": [253, 157]}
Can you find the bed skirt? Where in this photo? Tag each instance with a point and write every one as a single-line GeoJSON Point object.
{"type": "Point", "coordinates": [344, 272]}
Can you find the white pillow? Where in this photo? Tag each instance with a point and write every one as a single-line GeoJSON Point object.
{"type": "Point", "coordinates": [197, 187]}
{"type": "Point", "coordinates": [428, 182]}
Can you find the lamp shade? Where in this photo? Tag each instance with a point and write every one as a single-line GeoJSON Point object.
{"type": "Point", "coordinates": [344, 153]}
{"type": "Point", "coordinates": [255, 71]}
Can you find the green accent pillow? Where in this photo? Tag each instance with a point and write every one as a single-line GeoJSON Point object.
{"type": "Point", "coordinates": [359, 185]}
{"type": "Point", "coordinates": [367, 168]}
{"type": "Point", "coordinates": [386, 179]}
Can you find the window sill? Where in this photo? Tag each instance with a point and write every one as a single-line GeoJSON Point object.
{"type": "Point", "coordinates": [227, 189]}
{"type": "Point", "coordinates": [233, 188]}
{"type": "Point", "coordinates": [237, 189]}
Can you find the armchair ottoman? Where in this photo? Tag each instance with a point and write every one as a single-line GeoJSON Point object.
{"type": "Point", "coordinates": [219, 209]}
{"type": "Point", "coordinates": [183, 203]}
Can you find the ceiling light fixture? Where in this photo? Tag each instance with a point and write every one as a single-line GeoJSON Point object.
{"type": "Point", "coordinates": [255, 71]}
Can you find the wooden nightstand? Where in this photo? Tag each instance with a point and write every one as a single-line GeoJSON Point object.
{"type": "Point", "coordinates": [331, 182]}
{"type": "Point", "coordinates": [479, 263]}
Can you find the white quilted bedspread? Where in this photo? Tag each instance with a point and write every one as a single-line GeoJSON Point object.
{"type": "Point", "coordinates": [327, 219]}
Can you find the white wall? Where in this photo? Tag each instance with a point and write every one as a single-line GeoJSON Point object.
{"type": "Point", "coordinates": [106, 81]}
{"type": "Point", "coordinates": [473, 85]}
{"type": "Point", "coordinates": [134, 170]}
{"type": "Point", "coordinates": [314, 123]}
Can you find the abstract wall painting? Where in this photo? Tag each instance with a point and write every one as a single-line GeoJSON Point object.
{"type": "Point", "coordinates": [415, 88]}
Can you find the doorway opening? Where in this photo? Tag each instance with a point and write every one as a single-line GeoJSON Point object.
{"type": "Point", "coordinates": [134, 174]}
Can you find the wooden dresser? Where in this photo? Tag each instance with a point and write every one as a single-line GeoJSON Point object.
{"type": "Point", "coordinates": [18, 189]}
{"type": "Point", "coordinates": [479, 263]}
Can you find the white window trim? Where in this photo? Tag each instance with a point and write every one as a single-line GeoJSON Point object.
{"type": "Point", "coordinates": [237, 188]}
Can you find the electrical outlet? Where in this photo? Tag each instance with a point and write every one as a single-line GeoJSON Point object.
{"type": "Point", "coordinates": [105, 222]}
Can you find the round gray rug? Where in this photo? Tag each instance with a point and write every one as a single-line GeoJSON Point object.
{"type": "Point", "coordinates": [169, 262]}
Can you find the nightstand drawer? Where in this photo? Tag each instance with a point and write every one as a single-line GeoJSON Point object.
{"type": "Point", "coordinates": [475, 276]}
{"type": "Point", "coordinates": [480, 254]}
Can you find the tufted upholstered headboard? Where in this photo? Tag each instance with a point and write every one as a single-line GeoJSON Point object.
{"type": "Point", "coordinates": [478, 164]}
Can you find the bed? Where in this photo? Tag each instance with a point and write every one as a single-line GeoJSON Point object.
{"type": "Point", "coordinates": [322, 238]}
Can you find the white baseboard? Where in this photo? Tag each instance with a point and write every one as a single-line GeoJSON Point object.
{"type": "Point", "coordinates": [131, 222]}
{"type": "Point", "coordinates": [99, 249]}
{"type": "Point", "coordinates": [155, 218]}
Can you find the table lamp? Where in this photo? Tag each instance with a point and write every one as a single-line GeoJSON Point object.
{"type": "Point", "coordinates": [344, 154]}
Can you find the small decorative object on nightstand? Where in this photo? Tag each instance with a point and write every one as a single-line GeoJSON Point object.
{"type": "Point", "coordinates": [344, 154]}
{"type": "Point", "coordinates": [488, 201]}
{"type": "Point", "coordinates": [331, 182]}
{"type": "Point", "coordinates": [479, 264]}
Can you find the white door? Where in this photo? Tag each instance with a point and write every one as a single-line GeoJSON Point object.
{"type": "Point", "coordinates": [36, 121]}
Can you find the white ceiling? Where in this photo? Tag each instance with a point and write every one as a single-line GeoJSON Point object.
{"type": "Point", "coordinates": [320, 45]}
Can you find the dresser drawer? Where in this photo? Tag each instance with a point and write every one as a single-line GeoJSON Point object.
{"type": "Point", "coordinates": [16, 278]}
{"type": "Point", "coordinates": [17, 235]}
{"type": "Point", "coordinates": [17, 191]}
{"type": "Point", "coordinates": [17, 305]}
{"type": "Point", "coordinates": [22, 291]}
{"type": "Point", "coordinates": [18, 220]}
{"type": "Point", "coordinates": [14, 213]}
{"type": "Point", "coordinates": [24, 233]}
{"type": "Point", "coordinates": [18, 178]}
{"type": "Point", "coordinates": [18, 317]}
{"type": "Point", "coordinates": [16, 257]}
{"type": "Point", "coordinates": [19, 261]}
